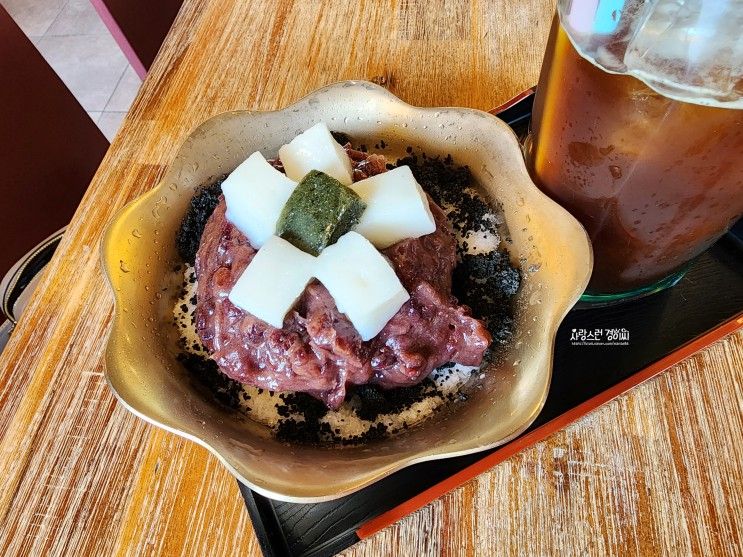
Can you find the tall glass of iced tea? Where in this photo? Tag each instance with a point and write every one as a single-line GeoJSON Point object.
{"type": "Point", "coordinates": [637, 130]}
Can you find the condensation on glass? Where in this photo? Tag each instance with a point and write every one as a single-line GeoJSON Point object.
{"type": "Point", "coordinates": [638, 131]}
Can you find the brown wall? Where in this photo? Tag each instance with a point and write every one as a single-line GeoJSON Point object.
{"type": "Point", "coordinates": [144, 24]}
{"type": "Point", "coordinates": [49, 147]}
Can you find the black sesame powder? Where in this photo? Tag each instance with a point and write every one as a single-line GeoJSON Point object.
{"type": "Point", "coordinates": [486, 282]}
{"type": "Point", "coordinates": [371, 401]}
{"type": "Point", "coordinates": [449, 186]}
{"type": "Point", "coordinates": [340, 137]}
{"type": "Point", "coordinates": [202, 205]}
{"type": "Point", "coordinates": [206, 371]}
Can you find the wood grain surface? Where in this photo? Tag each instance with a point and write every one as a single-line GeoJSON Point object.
{"type": "Point", "coordinates": [657, 471]}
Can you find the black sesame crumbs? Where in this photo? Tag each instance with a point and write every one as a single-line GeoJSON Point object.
{"type": "Point", "coordinates": [486, 282]}
{"type": "Point", "coordinates": [206, 371]}
{"type": "Point", "coordinates": [341, 137]}
{"type": "Point", "coordinates": [202, 205]}
{"type": "Point", "coordinates": [447, 185]}
{"type": "Point", "coordinates": [369, 401]}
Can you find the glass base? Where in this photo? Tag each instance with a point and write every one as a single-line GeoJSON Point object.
{"type": "Point", "coordinates": [592, 299]}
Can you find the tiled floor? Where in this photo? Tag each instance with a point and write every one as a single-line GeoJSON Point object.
{"type": "Point", "coordinates": [76, 43]}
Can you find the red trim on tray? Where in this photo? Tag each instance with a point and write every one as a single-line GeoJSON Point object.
{"type": "Point", "coordinates": [509, 103]}
{"type": "Point", "coordinates": [544, 431]}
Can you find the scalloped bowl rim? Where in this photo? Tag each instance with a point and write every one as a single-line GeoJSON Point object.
{"type": "Point", "coordinates": [108, 257]}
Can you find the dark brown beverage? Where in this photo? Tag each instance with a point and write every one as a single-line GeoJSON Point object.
{"type": "Point", "coordinates": [654, 180]}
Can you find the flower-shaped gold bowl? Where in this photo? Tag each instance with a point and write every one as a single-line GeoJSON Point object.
{"type": "Point", "coordinates": [139, 256]}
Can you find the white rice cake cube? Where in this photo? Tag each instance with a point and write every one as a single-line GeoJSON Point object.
{"type": "Point", "coordinates": [316, 149]}
{"type": "Point", "coordinates": [396, 208]}
{"type": "Point", "coordinates": [362, 282]}
{"type": "Point", "coordinates": [255, 193]}
{"type": "Point", "coordinates": [273, 281]}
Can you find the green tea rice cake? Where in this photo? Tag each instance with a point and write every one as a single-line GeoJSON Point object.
{"type": "Point", "coordinates": [318, 212]}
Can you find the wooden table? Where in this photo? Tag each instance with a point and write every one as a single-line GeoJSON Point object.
{"type": "Point", "coordinates": [657, 470]}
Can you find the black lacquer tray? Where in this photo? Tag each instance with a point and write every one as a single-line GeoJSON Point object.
{"type": "Point", "coordinates": [599, 353]}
